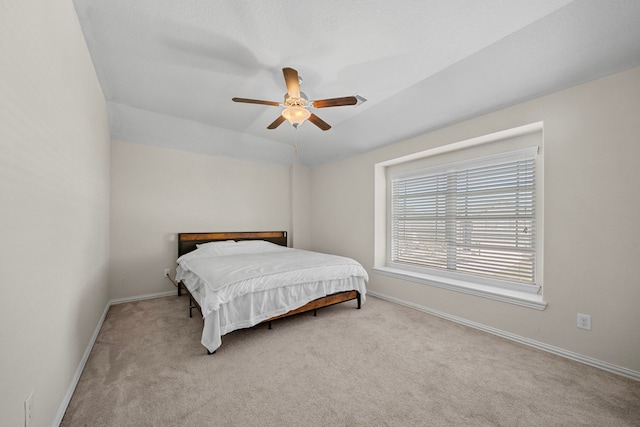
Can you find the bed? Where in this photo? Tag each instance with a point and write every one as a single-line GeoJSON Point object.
{"type": "Point", "coordinates": [238, 280]}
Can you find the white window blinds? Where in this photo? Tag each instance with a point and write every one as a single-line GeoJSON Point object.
{"type": "Point", "coordinates": [475, 218]}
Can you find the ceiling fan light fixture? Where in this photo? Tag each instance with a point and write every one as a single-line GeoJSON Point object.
{"type": "Point", "coordinates": [296, 115]}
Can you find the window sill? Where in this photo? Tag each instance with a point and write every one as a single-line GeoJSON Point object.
{"type": "Point", "coordinates": [524, 299]}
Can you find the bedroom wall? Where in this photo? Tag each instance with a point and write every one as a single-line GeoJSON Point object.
{"type": "Point", "coordinates": [300, 236]}
{"type": "Point", "coordinates": [592, 234]}
{"type": "Point", "coordinates": [54, 205]}
{"type": "Point", "coordinates": [159, 192]}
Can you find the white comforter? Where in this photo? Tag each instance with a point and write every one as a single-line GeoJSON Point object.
{"type": "Point", "coordinates": [241, 284]}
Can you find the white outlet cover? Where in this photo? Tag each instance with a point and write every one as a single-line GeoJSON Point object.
{"type": "Point", "coordinates": [584, 321]}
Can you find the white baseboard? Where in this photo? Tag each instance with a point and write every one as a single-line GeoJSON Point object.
{"type": "Point", "coordinates": [142, 297]}
{"type": "Point", "coordinates": [76, 376]}
{"type": "Point", "coordinates": [517, 338]}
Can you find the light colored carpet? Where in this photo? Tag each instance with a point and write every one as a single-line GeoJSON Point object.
{"type": "Point", "coordinates": [383, 365]}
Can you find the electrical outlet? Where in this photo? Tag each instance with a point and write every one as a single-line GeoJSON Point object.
{"type": "Point", "coordinates": [167, 272]}
{"type": "Point", "coordinates": [584, 321]}
{"type": "Point", "coordinates": [28, 410]}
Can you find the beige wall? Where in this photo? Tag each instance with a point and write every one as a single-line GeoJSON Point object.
{"type": "Point", "coordinates": [592, 234]}
{"type": "Point", "coordinates": [54, 205]}
{"type": "Point", "coordinates": [158, 192]}
{"type": "Point", "coordinates": [300, 236]}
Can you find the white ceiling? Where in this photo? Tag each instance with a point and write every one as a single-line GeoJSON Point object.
{"type": "Point", "coordinates": [169, 68]}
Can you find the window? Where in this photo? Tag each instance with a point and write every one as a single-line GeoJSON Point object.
{"type": "Point", "coordinates": [474, 218]}
{"type": "Point", "coordinates": [465, 216]}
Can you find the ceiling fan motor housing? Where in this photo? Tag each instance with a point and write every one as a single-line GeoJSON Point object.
{"type": "Point", "coordinates": [302, 101]}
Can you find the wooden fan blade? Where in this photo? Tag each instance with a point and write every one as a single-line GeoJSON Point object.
{"type": "Point", "coordinates": [277, 122]}
{"type": "Point", "coordinates": [319, 122]}
{"type": "Point", "coordinates": [335, 102]}
{"type": "Point", "coordinates": [256, 101]}
{"type": "Point", "coordinates": [292, 81]}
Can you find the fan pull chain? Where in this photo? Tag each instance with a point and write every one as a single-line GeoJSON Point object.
{"type": "Point", "coordinates": [295, 143]}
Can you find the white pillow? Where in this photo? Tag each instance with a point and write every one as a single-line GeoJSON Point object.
{"type": "Point", "coordinates": [252, 247]}
{"type": "Point", "coordinates": [231, 247]}
{"type": "Point", "coordinates": [217, 243]}
{"type": "Point", "coordinates": [207, 250]}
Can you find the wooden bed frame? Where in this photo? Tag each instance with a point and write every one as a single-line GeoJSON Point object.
{"type": "Point", "coordinates": [187, 242]}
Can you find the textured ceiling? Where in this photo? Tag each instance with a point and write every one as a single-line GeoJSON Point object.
{"type": "Point", "coordinates": [169, 68]}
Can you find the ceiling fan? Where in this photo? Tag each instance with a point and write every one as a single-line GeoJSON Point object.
{"type": "Point", "coordinates": [296, 103]}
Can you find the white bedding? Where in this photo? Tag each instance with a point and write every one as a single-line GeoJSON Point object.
{"type": "Point", "coordinates": [240, 284]}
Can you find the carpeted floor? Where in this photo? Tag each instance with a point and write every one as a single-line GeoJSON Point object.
{"type": "Point", "coordinates": [383, 365]}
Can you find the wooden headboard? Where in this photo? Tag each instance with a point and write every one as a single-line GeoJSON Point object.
{"type": "Point", "coordinates": [187, 241]}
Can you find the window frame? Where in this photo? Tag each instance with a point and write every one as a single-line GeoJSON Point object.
{"type": "Point", "coordinates": [475, 285]}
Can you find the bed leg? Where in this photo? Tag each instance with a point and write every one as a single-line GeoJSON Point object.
{"type": "Point", "coordinates": [269, 327]}
{"type": "Point", "coordinates": [315, 313]}
{"type": "Point", "coordinates": [191, 306]}
{"type": "Point", "coordinates": [359, 301]}
{"type": "Point", "coordinates": [179, 290]}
